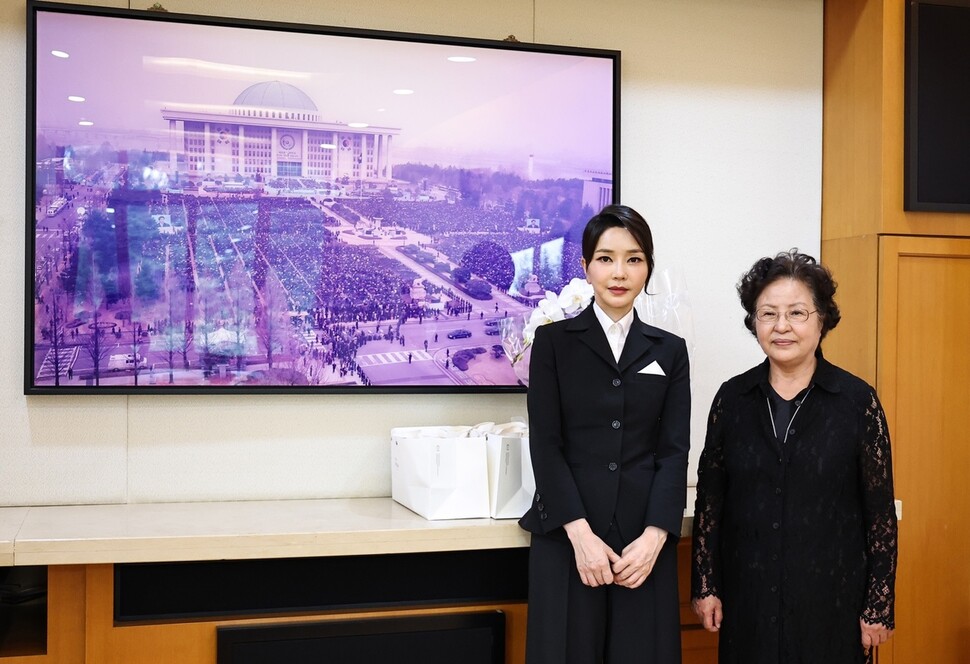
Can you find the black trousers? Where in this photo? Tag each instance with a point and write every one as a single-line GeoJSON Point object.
{"type": "Point", "coordinates": [571, 623]}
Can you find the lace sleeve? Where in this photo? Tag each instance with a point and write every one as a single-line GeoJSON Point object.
{"type": "Point", "coordinates": [705, 567]}
{"type": "Point", "coordinates": [880, 516]}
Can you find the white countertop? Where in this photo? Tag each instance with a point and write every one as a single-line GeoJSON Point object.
{"type": "Point", "coordinates": [11, 519]}
{"type": "Point", "coordinates": [165, 532]}
{"type": "Point", "coordinates": [159, 532]}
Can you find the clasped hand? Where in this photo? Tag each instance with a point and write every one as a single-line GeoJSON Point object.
{"type": "Point", "coordinates": [599, 565]}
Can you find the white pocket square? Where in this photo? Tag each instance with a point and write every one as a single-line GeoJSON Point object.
{"type": "Point", "coordinates": [653, 369]}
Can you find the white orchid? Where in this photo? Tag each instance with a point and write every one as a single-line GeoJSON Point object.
{"type": "Point", "coordinates": [547, 311]}
{"type": "Point", "coordinates": [519, 332]}
{"type": "Point", "coordinates": [668, 308]}
{"type": "Point", "coordinates": [575, 296]}
{"type": "Point", "coordinates": [528, 336]}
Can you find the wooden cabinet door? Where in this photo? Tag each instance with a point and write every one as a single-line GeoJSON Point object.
{"type": "Point", "coordinates": [924, 383]}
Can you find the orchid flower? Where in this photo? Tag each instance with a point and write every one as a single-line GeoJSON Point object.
{"type": "Point", "coordinates": [575, 296]}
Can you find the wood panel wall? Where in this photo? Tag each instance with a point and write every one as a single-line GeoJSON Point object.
{"type": "Point", "coordinates": [924, 368]}
{"type": "Point", "coordinates": [81, 628]}
{"type": "Point", "coordinates": [904, 291]}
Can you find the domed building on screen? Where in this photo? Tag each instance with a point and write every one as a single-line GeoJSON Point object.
{"type": "Point", "coordinates": [274, 130]}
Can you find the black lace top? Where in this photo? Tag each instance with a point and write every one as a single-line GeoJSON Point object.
{"type": "Point", "coordinates": [798, 540]}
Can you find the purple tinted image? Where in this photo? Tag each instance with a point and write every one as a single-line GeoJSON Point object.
{"type": "Point", "coordinates": [246, 207]}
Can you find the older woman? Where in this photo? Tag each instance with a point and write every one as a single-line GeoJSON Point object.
{"type": "Point", "coordinates": [794, 549]}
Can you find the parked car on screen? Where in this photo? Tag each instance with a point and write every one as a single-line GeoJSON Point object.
{"type": "Point", "coordinates": [460, 333]}
{"type": "Point", "coordinates": [126, 362]}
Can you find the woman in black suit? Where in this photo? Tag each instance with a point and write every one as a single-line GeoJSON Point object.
{"type": "Point", "coordinates": [609, 420]}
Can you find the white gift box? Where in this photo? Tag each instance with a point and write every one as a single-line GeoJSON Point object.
{"type": "Point", "coordinates": [440, 472]}
{"type": "Point", "coordinates": [511, 483]}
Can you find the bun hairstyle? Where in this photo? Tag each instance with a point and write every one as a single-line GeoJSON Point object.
{"type": "Point", "coordinates": [618, 216]}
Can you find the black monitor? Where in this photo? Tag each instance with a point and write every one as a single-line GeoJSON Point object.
{"type": "Point", "coordinates": [937, 171]}
{"type": "Point", "coordinates": [226, 205]}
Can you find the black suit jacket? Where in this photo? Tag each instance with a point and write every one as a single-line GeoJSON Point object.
{"type": "Point", "coordinates": [608, 441]}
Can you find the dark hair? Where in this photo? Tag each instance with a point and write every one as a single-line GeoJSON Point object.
{"type": "Point", "coordinates": [618, 216]}
{"type": "Point", "coordinates": [790, 265]}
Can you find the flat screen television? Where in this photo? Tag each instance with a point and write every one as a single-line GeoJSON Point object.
{"type": "Point", "coordinates": [224, 205]}
{"type": "Point", "coordinates": [937, 170]}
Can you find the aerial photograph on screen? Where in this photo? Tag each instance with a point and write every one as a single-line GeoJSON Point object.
{"type": "Point", "coordinates": [230, 206]}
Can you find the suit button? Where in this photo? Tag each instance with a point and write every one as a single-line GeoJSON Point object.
{"type": "Point", "coordinates": [612, 466]}
{"type": "Point", "coordinates": [543, 516]}
{"type": "Point", "coordinates": [616, 382]}
{"type": "Point", "coordinates": [616, 424]}
{"type": "Point", "coordinates": [540, 507]}
{"type": "Point", "coordinates": [791, 432]}
{"type": "Point", "coordinates": [538, 497]}
{"type": "Point", "coordinates": [775, 525]}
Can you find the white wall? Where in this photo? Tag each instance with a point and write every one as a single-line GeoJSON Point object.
{"type": "Point", "coordinates": [721, 148]}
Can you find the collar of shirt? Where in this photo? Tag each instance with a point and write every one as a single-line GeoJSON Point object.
{"type": "Point", "coordinates": [827, 376]}
{"type": "Point", "coordinates": [616, 331]}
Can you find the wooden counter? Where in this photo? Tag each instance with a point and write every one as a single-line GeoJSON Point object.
{"type": "Point", "coordinates": [98, 557]}
{"type": "Point", "coordinates": [166, 532]}
{"type": "Point", "coordinates": [160, 532]}
{"type": "Point", "coordinates": [11, 520]}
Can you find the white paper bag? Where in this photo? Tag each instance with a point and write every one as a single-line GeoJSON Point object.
{"type": "Point", "coordinates": [511, 483]}
{"type": "Point", "coordinates": [439, 472]}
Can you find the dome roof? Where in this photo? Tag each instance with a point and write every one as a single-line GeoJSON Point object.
{"type": "Point", "coordinates": [275, 94]}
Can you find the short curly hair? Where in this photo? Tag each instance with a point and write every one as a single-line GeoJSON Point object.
{"type": "Point", "coordinates": [790, 265]}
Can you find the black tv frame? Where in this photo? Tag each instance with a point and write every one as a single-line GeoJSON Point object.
{"type": "Point", "coordinates": [915, 140]}
{"type": "Point", "coordinates": [133, 373]}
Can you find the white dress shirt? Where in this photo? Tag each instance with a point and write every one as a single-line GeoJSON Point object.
{"type": "Point", "coordinates": [616, 331]}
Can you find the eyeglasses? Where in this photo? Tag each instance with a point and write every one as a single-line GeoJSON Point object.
{"type": "Point", "coordinates": [796, 316]}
